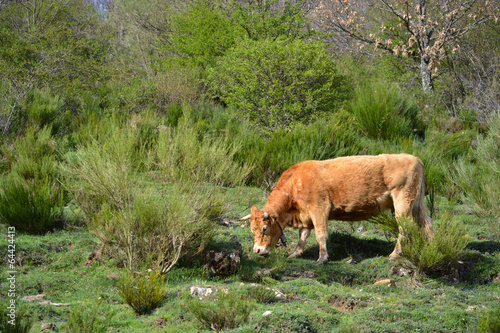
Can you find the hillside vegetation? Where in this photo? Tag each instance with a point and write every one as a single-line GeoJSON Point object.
{"type": "Point", "coordinates": [135, 134]}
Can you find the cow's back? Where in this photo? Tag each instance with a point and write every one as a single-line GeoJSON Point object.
{"type": "Point", "coordinates": [352, 187]}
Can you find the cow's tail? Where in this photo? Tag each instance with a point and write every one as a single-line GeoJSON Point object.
{"type": "Point", "coordinates": [419, 210]}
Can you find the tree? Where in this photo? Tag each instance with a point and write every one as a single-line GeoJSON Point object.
{"type": "Point", "coordinates": [278, 83]}
{"type": "Point", "coordinates": [418, 32]}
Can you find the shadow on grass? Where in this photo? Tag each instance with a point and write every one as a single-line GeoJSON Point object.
{"type": "Point", "coordinates": [342, 245]}
{"type": "Point", "coordinates": [484, 247]}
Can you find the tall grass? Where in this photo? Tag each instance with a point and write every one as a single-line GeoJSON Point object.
{"type": "Point", "coordinates": [478, 175]}
{"type": "Point", "coordinates": [382, 113]}
{"type": "Point", "coordinates": [31, 195]}
{"type": "Point", "coordinates": [95, 318]}
{"type": "Point", "coordinates": [441, 253]}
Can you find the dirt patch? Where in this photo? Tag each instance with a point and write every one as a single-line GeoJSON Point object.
{"type": "Point", "coordinates": [159, 323]}
{"type": "Point", "coordinates": [343, 304]}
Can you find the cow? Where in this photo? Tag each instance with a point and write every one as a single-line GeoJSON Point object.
{"type": "Point", "coordinates": [350, 188]}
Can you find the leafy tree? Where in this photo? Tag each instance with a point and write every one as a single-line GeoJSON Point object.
{"type": "Point", "coordinates": [201, 32]}
{"type": "Point", "coordinates": [263, 19]}
{"type": "Point", "coordinates": [418, 32]}
{"type": "Point", "coordinates": [280, 83]}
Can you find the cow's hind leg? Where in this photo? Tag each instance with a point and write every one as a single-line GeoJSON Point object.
{"type": "Point", "coordinates": [402, 209]}
{"type": "Point", "coordinates": [303, 234]}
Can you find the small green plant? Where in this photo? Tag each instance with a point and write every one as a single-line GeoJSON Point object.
{"type": "Point", "coordinates": [227, 311]}
{"type": "Point", "coordinates": [441, 253]}
{"type": "Point", "coordinates": [143, 293]}
{"type": "Point", "coordinates": [14, 319]}
{"type": "Point", "coordinates": [89, 319]}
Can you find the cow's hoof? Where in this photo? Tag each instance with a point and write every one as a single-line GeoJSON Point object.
{"type": "Point", "coordinates": [322, 261]}
{"type": "Point", "coordinates": [294, 255]}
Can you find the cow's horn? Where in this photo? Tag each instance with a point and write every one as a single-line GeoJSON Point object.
{"type": "Point", "coordinates": [244, 218]}
{"type": "Point", "coordinates": [265, 215]}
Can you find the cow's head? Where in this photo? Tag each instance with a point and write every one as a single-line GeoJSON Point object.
{"type": "Point", "coordinates": [264, 225]}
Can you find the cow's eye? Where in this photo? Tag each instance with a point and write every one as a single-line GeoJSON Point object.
{"type": "Point", "coordinates": [265, 228]}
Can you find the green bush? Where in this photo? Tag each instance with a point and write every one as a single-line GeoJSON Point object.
{"type": "Point", "coordinates": [278, 83]}
{"type": "Point", "coordinates": [382, 113]}
{"type": "Point", "coordinates": [20, 324]}
{"type": "Point", "coordinates": [143, 293]}
{"type": "Point", "coordinates": [136, 217]}
{"type": "Point", "coordinates": [227, 311]}
{"type": "Point", "coordinates": [439, 255]}
{"type": "Point", "coordinates": [89, 319]}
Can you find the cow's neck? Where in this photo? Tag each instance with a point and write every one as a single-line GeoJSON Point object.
{"type": "Point", "coordinates": [279, 201]}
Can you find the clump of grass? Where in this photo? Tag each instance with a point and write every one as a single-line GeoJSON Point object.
{"type": "Point", "coordinates": [93, 319]}
{"type": "Point", "coordinates": [143, 293]}
{"type": "Point", "coordinates": [441, 253]}
{"type": "Point", "coordinates": [262, 294]}
{"type": "Point", "coordinates": [227, 311]}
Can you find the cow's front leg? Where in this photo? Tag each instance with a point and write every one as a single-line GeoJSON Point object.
{"type": "Point", "coordinates": [303, 234]}
{"type": "Point", "coordinates": [322, 236]}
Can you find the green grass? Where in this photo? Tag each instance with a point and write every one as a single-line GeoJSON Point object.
{"type": "Point", "coordinates": [336, 297]}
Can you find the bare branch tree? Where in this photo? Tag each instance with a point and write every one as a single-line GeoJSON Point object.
{"type": "Point", "coordinates": [409, 29]}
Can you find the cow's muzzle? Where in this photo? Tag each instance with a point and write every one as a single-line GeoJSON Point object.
{"type": "Point", "coordinates": [260, 250]}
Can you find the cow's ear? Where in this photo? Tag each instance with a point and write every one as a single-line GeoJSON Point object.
{"type": "Point", "coordinates": [254, 210]}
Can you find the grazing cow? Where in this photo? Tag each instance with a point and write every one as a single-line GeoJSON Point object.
{"type": "Point", "coordinates": [351, 188]}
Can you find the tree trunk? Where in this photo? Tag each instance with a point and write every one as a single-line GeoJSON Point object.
{"type": "Point", "coordinates": [426, 74]}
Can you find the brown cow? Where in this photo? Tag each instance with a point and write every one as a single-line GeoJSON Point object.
{"type": "Point", "coordinates": [350, 188]}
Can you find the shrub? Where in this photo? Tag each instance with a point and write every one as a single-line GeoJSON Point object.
{"type": "Point", "coordinates": [31, 196]}
{"type": "Point", "coordinates": [153, 221]}
{"type": "Point", "coordinates": [478, 176]}
{"type": "Point", "coordinates": [89, 319]}
{"type": "Point", "coordinates": [226, 311]}
{"type": "Point", "coordinates": [382, 113]}
{"type": "Point", "coordinates": [32, 206]}
{"type": "Point", "coordinates": [278, 83]}
{"type": "Point", "coordinates": [143, 293]}
{"type": "Point", "coordinates": [441, 253]}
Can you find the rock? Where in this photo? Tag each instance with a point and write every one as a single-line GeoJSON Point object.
{"type": "Point", "coordinates": [267, 313]}
{"type": "Point", "coordinates": [400, 271]}
{"type": "Point", "coordinates": [385, 282]}
{"type": "Point", "coordinates": [48, 327]}
{"type": "Point", "coordinates": [204, 292]}
{"type": "Point", "coordinates": [223, 261]}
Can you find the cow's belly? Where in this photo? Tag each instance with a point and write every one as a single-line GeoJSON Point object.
{"type": "Point", "coordinates": [362, 209]}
